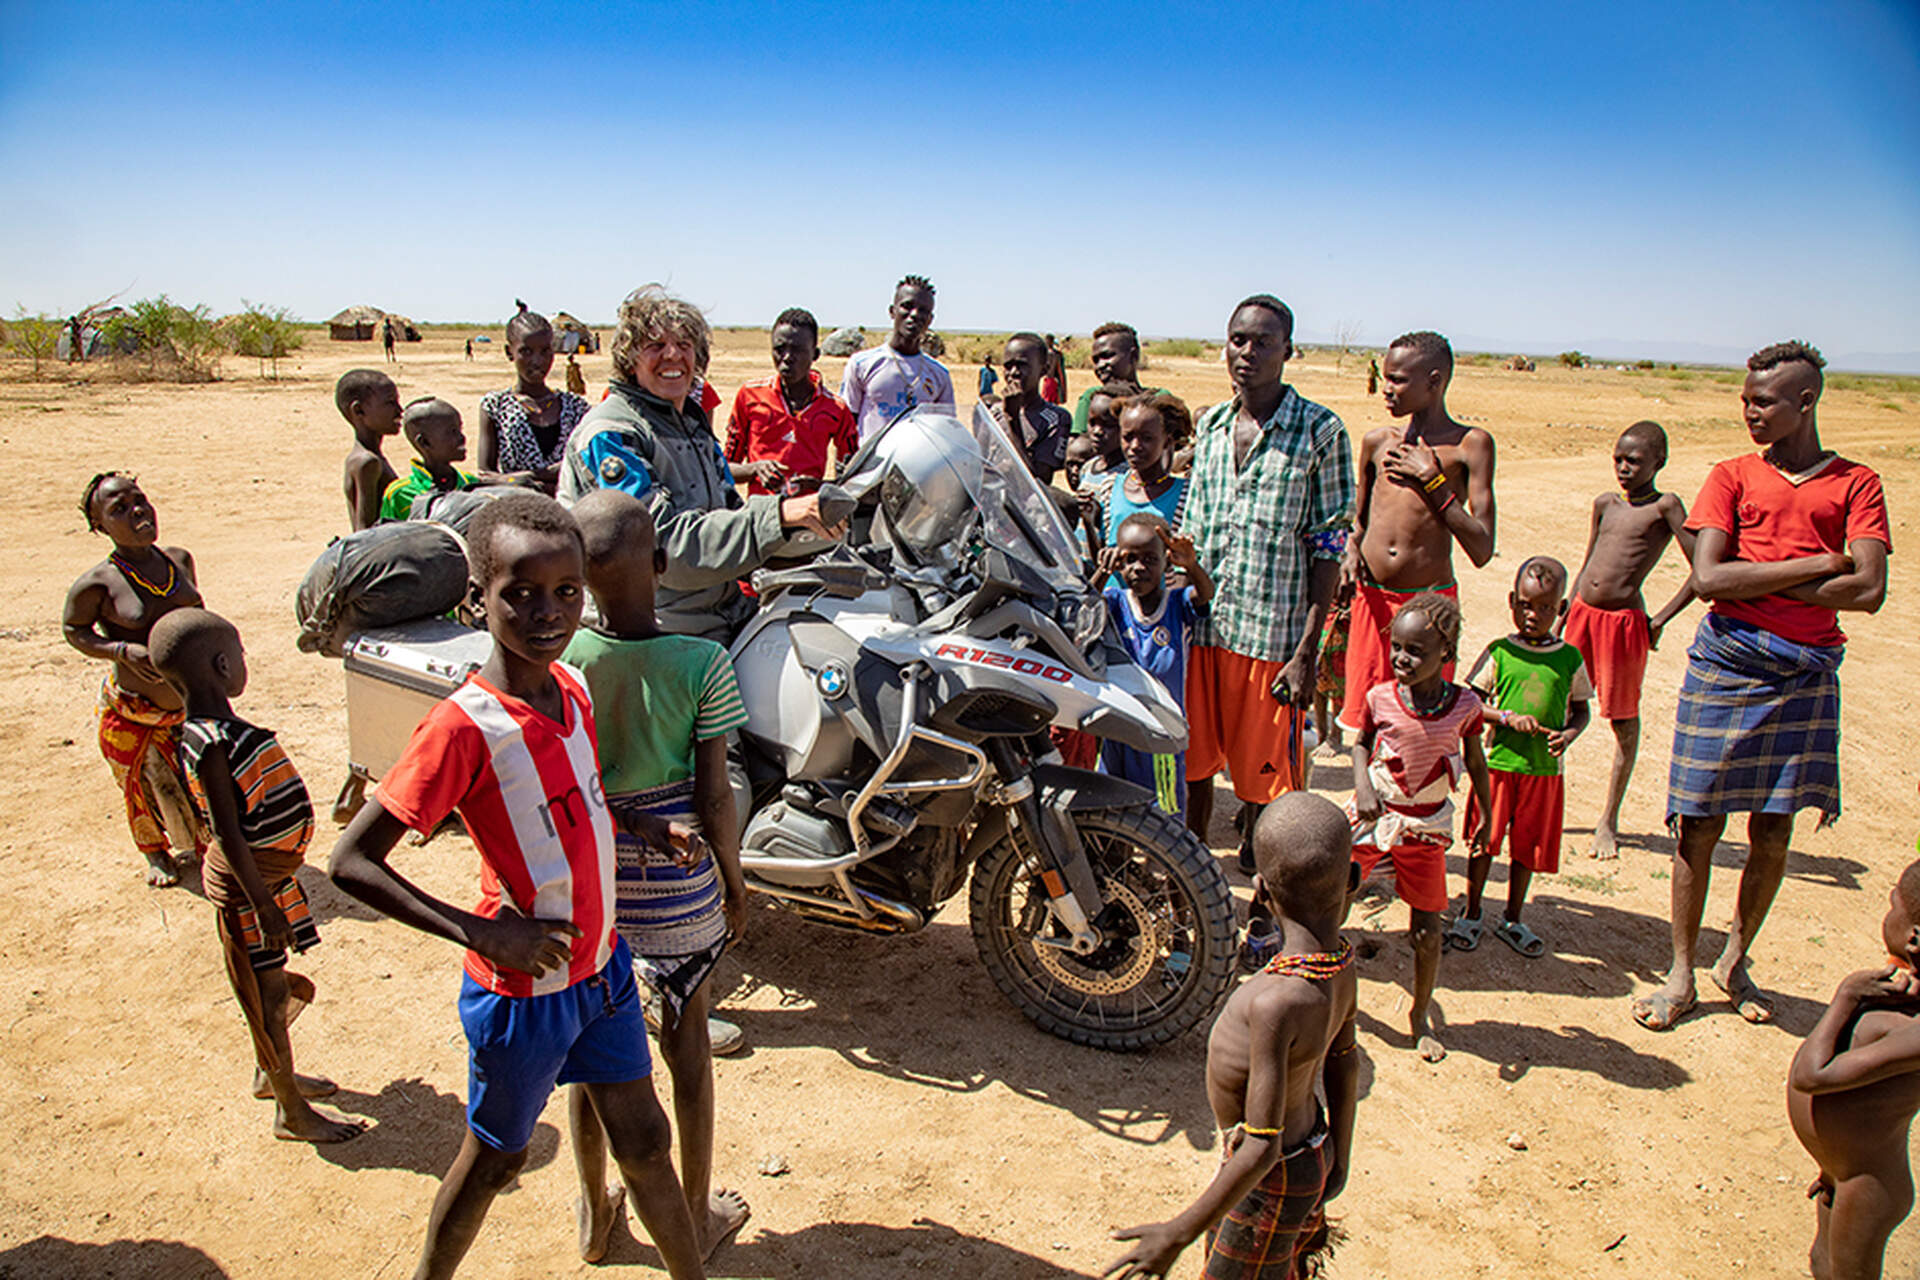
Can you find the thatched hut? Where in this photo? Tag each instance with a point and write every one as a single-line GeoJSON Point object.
{"type": "Point", "coordinates": [355, 324]}
{"type": "Point", "coordinates": [404, 330]}
{"type": "Point", "coordinates": [571, 335]}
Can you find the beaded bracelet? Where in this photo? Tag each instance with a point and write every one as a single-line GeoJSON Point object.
{"type": "Point", "coordinates": [1445, 504]}
{"type": "Point", "coordinates": [1439, 478]}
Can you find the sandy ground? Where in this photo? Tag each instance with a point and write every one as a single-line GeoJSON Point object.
{"type": "Point", "coordinates": [928, 1128]}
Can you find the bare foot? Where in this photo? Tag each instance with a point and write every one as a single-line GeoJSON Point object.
{"type": "Point", "coordinates": [1606, 845]}
{"type": "Point", "coordinates": [596, 1222]}
{"type": "Point", "coordinates": [308, 1125]}
{"type": "Point", "coordinates": [310, 1086]}
{"type": "Point", "coordinates": [161, 873]}
{"type": "Point", "coordinates": [727, 1212]}
{"type": "Point", "coordinates": [1659, 1011]}
{"type": "Point", "coordinates": [1746, 998]}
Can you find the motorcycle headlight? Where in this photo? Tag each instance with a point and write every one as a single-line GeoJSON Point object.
{"type": "Point", "coordinates": [1084, 618]}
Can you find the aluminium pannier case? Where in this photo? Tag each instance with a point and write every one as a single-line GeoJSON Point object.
{"type": "Point", "coordinates": [394, 676]}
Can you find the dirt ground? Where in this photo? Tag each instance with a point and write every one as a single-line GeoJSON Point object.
{"type": "Point", "coordinates": [927, 1127]}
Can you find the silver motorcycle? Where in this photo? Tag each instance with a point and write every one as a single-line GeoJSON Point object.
{"type": "Point", "coordinates": [900, 687]}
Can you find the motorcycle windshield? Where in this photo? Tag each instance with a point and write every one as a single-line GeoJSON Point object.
{"type": "Point", "coordinates": [947, 487]}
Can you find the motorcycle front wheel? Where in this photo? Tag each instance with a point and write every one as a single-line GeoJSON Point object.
{"type": "Point", "coordinates": [1168, 933]}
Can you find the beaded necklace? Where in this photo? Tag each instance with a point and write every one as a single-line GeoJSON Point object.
{"type": "Point", "coordinates": [1317, 966]}
{"type": "Point", "coordinates": [134, 574]}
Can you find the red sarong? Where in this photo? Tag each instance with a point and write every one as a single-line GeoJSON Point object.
{"type": "Point", "coordinates": [1528, 810]}
{"type": "Point", "coordinates": [1368, 652]}
{"type": "Point", "coordinates": [131, 727]}
{"type": "Point", "coordinates": [1615, 644]}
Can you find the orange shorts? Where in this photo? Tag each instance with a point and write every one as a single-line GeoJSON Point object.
{"type": "Point", "coordinates": [1614, 644]}
{"type": "Point", "coordinates": [1528, 810]}
{"type": "Point", "coordinates": [1419, 871]}
{"type": "Point", "coordinates": [1368, 653]}
{"type": "Point", "coordinates": [1235, 723]}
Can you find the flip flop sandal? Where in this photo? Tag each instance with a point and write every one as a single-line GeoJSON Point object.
{"type": "Point", "coordinates": [1521, 939]}
{"type": "Point", "coordinates": [1463, 934]}
{"type": "Point", "coordinates": [1659, 1013]}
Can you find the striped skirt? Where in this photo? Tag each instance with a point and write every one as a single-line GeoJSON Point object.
{"type": "Point", "coordinates": [671, 916]}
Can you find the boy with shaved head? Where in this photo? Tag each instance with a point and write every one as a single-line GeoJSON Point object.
{"type": "Point", "coordinates": [1785, 539]}
{"type": "Point", "coordinates": [1285, 1035]}
{"type": "Point", "coordinates": [666, 704]}
{"type": "Point", "coordinates": [1607, 618]}
{"type": "Point", "coordinates": [1423, 487]}
{"type": "Point", "coordinates": [262, 820]}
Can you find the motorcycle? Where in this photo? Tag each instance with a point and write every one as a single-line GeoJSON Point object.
{"type": "Point", "coordinates": [900, 686]}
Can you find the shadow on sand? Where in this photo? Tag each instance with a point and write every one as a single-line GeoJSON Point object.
{"type": "Point", "coordinates": [53, 1258]}
{"type": "Point", "coordinates": [920, 1008]}
{"type": "Point", "coordinates": [417, 1128]}
{"type": "Point", "coordinates": [869, 1251]}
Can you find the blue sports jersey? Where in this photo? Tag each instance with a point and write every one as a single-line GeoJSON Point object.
{"type": "Point", "coordinates": [1159, 644]}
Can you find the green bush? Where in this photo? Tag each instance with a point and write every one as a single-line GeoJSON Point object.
{"type": "Point", "coordinates": [1573, 359]}
{"type": "Point", "coordinates": [162, 331]}
{"type": "Point", "coordinates": [268, 334]}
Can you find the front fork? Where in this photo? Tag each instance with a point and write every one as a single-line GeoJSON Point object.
{"type": "Point", "coordinates": [1052, 843]}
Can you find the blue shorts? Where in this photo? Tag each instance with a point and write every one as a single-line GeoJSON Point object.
{"type": "Point", "coordinates": [520, 1047]}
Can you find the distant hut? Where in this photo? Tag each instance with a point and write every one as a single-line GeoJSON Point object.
{"type": "Point", "coordinates": [572, 336]}
{"type": "Point", "coordinates": [843, 342]}
{"type": "Point", "coordinates": [404, 329]}
{"type": "Point", "coordinates": [355, 324]}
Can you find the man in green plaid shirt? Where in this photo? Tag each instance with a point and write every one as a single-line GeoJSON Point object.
{"type": "Point", "coordinates": [1268, 508]}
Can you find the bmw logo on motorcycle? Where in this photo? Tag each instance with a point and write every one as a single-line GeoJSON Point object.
{"type": "Point", "coordinates": [832, 680]}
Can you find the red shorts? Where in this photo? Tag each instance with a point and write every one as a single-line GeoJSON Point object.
{"type": "Point", "coordinates": [1527, 812]}
{"type": "Point", "coordinates": [1235, 723]}
{"type": "Point", "coordinates": [1419, 871]}
{"type": "Point", "coordinates": [1368, 654]}
{"type": "Point", "coordinates": [1614, 643]}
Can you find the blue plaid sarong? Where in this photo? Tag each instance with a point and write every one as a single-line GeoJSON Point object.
{"type": "Point", "coordinates": [673, 918]}
{"type": "Point", "coordinates": [1758, 728]}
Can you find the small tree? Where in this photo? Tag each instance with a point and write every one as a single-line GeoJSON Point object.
{"type": "Point", "coordinates": [1346, 334]}
{"type": "Point", "coordinates": [36, 333]}
{"type": "Point", "coordinates": [268, 334]}
{"type": "Point", "coordinates": [1573, 359]}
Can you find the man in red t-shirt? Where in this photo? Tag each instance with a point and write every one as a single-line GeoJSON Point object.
{"type": "Point", "coordinates": [781, 426]}
{"type": "Point", "coordinates": [1787, 538]}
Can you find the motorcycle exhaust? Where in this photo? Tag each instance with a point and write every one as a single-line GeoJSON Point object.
{"type": "Point", "coordinates": [887, 915]}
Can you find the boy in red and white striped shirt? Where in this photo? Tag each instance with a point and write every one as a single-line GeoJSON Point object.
{"type": "Point", "coordinates": [548, 996]}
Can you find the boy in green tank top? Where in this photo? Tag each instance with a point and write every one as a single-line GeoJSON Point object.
{"type": "Point", "coordinates": [1536, 688]}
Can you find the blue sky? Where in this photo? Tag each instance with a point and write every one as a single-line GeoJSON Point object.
{"type": "Point", "coordinates": [1675, 180]}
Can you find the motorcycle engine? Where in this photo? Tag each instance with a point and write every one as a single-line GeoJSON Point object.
{"type": "Point", "coordinates": [784, 831]}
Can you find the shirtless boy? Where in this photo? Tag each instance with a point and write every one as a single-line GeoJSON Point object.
{"type": "Point", "coordinates": [1852, 1093]}
{"type": "Point", "coordinates": [370, 403]}
{"type": "Point", "coordinates": [1284, 1030]}
{"type": "Point", "coordinates": [1607, 620]}
{"type": "Point", "coordinates": [1423, 487]}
